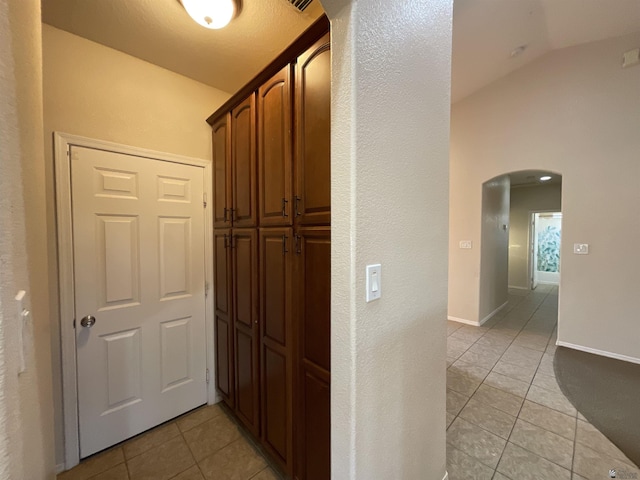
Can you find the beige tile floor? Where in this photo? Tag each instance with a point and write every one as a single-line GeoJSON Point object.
{"type": "Point", "coordinates": [203, 444]}
{"type": "Point", "coordinates": [506, 415]}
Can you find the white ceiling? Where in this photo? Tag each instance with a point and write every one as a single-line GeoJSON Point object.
{"type": "Point", "coordinates": [484, 34]}
{"type": "Point", "coordinates": [161, 32]}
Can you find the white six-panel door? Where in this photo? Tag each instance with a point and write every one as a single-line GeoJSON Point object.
{"type": "Point", "coordinates": [139, 267]}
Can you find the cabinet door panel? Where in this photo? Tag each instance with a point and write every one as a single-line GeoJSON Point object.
{"type": "Point", "coordinates": [221, 173]}
{"type": "Point", "coordinates": [316, 445]}
{"type": "Point", "coordinates": [313, 135]}
{"type": "Point", "coordinates": [244, 252]}
{"type": "Point", "coordinates": [243, 163]}
{"type": "Point", "coordinates": [276, 251]}
{"type": "Point", "coordinates": [224, 380]}
{"type": "Point", "coordinates": [313, 327]}
{"type": "Point", "coordinates": [223, 310]}
{"type": "Point", "coordinates": [274, 150]}
{"type": "Point", "coordinates": [275, 401]}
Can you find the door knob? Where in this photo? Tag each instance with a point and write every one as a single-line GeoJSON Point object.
{"type": "Point", "coordinates": [88, 321]}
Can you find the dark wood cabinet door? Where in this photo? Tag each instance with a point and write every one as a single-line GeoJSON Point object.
{"type": "Point", "coordinates": [274, 150]}
{"type": "Point", "coordinates": [223, 315]}
{"type": "Point", "coordinates": [312, 322]}
{"type": "Point", "coordinates": [276, 259]}
{"type": "Point", "coordinates": [221, 173]}
{"type": "Point", "coordinates": [312, 202]}
{"type": "Point", "coordinates": [243, 163]}
{"type": "Point", "coordinates": [244, 254]}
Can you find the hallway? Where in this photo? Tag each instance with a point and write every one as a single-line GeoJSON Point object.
{"type": "Point", "coordinates": [506, 415]}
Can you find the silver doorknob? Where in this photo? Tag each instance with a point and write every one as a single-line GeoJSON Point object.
{"type": "Point", "coordinates": [88, 321]}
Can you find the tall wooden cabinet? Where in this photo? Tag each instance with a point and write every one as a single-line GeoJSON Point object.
{"type": "Point", "coordinates": [244, 261]}
{"type": "Point", "coordinates": [313, 300]}
{"type": "Point", "coordinates": [223, 321]}
{"type": "Point", "coordinates": [276, 282]}
{"type": "Point", "coordinates": [221, 172]}
{"type": "Point", "coordinates": [313, 135]}
{"type": "Point", "coordinates": [274, 145]}
{"type": "Point", "coordinates": [272, 256]}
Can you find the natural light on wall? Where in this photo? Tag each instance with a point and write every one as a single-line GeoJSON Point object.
{"type": "Point", "coordinates": [212, 14]}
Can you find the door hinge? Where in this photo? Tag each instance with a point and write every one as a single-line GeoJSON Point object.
{"type": "Point", "coordinates": [206, 289]}
{"type": "Point", "coordinates": [74, 323]}
{"type": "Point", "coordinates": [204, 200]}
{"type": "Point", "coordinates": [207, 376]}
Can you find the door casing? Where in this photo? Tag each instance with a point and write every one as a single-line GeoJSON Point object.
{"type": "Point", "coordinates": [62, 146]}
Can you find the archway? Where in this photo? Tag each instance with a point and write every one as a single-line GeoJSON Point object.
{"type": "Point", "coordinates": [509, 239]}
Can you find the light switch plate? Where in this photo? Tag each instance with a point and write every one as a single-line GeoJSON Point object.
{"type": "Point", "coordinates": [465, 244]}
{"type": "Point", "coordinates": [374, 285]}
{"type": "Point", "coordinates": [631, 58]}
{"type": "Point", "coordinates": [581, 248]}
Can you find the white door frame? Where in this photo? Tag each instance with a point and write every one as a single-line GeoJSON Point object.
{"type": "Point", "coordinates": [532, 242]}
{"type": "Point", "coordinates": [62, 144]}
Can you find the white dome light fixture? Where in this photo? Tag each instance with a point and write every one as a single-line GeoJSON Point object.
{"type": "Point", "coordinates": [545, 178]}
{"type": "Point", "coordinates": [213, 14]}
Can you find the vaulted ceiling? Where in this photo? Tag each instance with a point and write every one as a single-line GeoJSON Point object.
{"type": "Point", "coordinates": [485, 33]}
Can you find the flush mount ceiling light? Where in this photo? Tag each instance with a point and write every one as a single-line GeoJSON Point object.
{"type": "Point", "coordinates": [545, 178]}
{"type": "Point", "coordinates": [212, 14]}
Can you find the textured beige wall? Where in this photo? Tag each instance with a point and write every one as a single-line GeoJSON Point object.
{"type": "Point", "coordinates": [575, 112]}
{"type": "Point", "coordinates": [97, 92]}
{"type": "Point", "coordinates": [26, 423]}
{"type": "Point", "coordinates": [525, 200]}
{"type": "Point", "coordinates": [494, 256]}
{"type": "Point", "coordinates": [390, 130]}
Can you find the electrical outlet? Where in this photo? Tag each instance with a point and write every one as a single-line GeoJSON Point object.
{"type": "Point", "coordinates": [581, 248]}
{"type": "Point", "coordinates": [465, 244]}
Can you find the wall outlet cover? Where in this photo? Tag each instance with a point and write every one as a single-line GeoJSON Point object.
{"type": "Point", "coordinates": [581, 248]}
{"type": "Point", "coordinates": [465, 244]}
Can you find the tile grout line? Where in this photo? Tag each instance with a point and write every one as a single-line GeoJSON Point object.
{"type": "Point", "coordinates": [528, 388]}
{"type": "Point", "coordinates": [538, 306]}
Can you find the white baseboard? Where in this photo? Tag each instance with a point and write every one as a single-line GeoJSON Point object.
{"type": "Point", "coordinates": [446, 476]}
{"type": "Point", "coordinates": [474, 322]}
{"type": "Point", "coordinates": [59, 468]}
{"type": "Point", "coordinates": [493, 313]}
{"type": "Point", "coordinates": [518, 288]}
{"type": "Point", "coordinates": [549, 283]}
{"type": "Point", "coordinates": [595, 351]}
{"type": "Point", "coordinates": [463, 320]}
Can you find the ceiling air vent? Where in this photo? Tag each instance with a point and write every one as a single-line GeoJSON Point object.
{"type": "Point", "coordinates": [300, 4]}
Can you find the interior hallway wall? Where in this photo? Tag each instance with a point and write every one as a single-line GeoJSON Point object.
{"type": "Point", "coordinates": [101, 93]}
{"type": "Point", "coordinates": [494, 257]}
{"type": "Point", "coordinates": [390, 104]}
{"type": "Point", "coordinates": [26, 406]}
{"type": "Point", "coordinates": [576, 112]}
{"type": "Point", "coordinates": [524, 200]}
